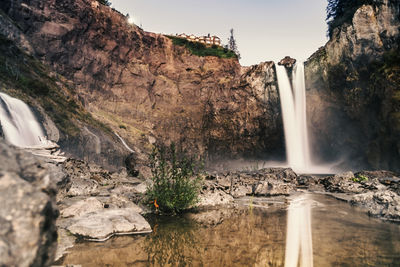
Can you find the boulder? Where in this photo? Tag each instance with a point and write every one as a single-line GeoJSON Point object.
{"type": "Point", "coordinates": [288, 62]}
{"type": "Point", "coordinates": [28, 233]}
{"type": "Point", "coordinates": [101, 225]}
{"type": "Point", "coordinates": [342, 183]}
{"type": "Point", "coordinates": [383, 204]}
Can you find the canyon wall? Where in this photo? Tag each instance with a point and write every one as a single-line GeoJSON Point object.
{"type": "Point", "coordinates": [147, 89]}
{"type": "Point", "coordinates": [353, 90]}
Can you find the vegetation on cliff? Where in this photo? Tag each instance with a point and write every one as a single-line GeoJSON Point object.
{"type": "Point", "coordinates": [202, 50]}
{"type": "Point", "coordinates": [176, 180]}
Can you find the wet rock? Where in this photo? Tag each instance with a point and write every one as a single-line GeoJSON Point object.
{"type": "Point", "coordinates": [64, 242]}
{"type": "Point", "coordinates": [382, 204]}
{"type": "Point", "coordinates": [131, 165]}
{"type": "Point", "coordinates": [211, 217]}
{"type": "Point", "coordinates": [101, 225]}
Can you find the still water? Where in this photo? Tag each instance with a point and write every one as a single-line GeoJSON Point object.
{"type": "Point", "coordinates": [309, 230]}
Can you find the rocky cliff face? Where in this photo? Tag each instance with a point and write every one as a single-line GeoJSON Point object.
{"type": "Point", "coordinates": [353, 90]}
{"type": "Point", "coordinates": [147, 89]}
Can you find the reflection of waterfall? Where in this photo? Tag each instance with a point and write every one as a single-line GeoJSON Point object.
{"type": "Point", "coordinates": [19, 125]}
{"type": "Point", "coordinates": [294, 117]}
{"type": "Point", "coordinates": [298, 233]}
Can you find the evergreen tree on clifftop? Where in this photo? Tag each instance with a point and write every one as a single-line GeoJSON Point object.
{"type": "Point", "coordinates": [232, 44]}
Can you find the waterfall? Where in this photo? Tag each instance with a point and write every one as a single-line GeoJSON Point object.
{"type": "Point", "coordinates": [293, 104]}
{"type": "Point", "coordinates": [19, 125]}
{"type": "Point", "coordinates": [298, 233]}
{"type": "Point", "coordinates": [124, 143]}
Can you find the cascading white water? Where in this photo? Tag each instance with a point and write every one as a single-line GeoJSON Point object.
{"type": "Point", "coordinates": [293, 103]}
{"type": "Point", "coordinates": [19, 125]}
{"type": "Point", "coordinates": [124, 143]}
{"type": "Point", "coordinates": [298, 233]}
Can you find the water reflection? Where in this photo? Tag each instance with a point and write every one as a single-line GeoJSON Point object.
{"type": "Point", "coordinates": [172, 242]}
{"type": "Point", "coordinates": [298, 233]}
{"type": "Point", "coordinates": [255, 236]}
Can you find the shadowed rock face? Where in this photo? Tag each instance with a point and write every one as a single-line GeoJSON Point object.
{"type": "Point", "coordinates": [352, 90]}
{"type": "Point", "coordinates": [148, 89]}
{"type": "Point", "coordinates": [28, 234]}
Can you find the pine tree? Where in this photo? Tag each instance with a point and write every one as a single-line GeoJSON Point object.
{"type": "Point", "coordinates": [232, 44]}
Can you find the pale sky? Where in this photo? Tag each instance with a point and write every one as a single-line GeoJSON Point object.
{"type": "Point", "coordinates": [264, 29]}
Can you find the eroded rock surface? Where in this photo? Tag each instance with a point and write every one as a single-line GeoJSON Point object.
{"type": "Point", "coordinates": [28, 233]}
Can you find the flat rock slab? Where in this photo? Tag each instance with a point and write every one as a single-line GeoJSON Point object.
{"type": "Point", "coordinates": [82, 207]}
{"type": "Point", "coordinates": [101, 225]}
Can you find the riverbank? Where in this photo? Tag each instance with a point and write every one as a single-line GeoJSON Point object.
{"type": "Point", "coordinates": [94, 204]}
{"type": "Point", "coordinates": [91, 193]}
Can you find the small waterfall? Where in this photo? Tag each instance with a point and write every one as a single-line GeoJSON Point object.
{"type": "Point", "coordinates": [124, 143]}
{"type": "Point", "coordinates": [298, 233]}
{"type": "Point", "coordinates": [19, 125]}
{"type": "Point", "coordinates": [293, 104]}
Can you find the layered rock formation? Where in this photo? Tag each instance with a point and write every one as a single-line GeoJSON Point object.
{"type": "Point", "coordinates": [147, 89]}
{"type": "Point", "coordinates": [353, 89]}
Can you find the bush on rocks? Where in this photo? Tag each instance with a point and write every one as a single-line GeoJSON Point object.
{"type": "Point", "coordinates": [176, 180]}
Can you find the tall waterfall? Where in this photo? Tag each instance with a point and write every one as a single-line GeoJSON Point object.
{"type": "Point", "coordinates": [293, 104]}
{"type": "Point", "coordinates": [19, 125]}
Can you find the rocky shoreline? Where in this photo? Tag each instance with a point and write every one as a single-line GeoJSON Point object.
{"type": "Point", "coordinates": [94, 204]}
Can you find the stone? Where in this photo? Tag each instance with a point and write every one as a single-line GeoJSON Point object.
{"type": "Point", "coordinates": [82, 207]}
{"type": "Point", "coordinates": [28, 233]}
{"type": "Point", "coordinates": [288, 62]}
{"type": "Point", "coordinates": [382, 204]}
{"type": "Point", "coordinates": [131, 165]}
{"type": "Point", "coordinates": [342, 183]}
{"type": "Point", "coordinates": [83, 187]}
{"type": "Point", "coordinates": [118, 201]}
{"type": "Point", "coordinates": [211, 217]}
{"type": "Point", "coordinates": [64, 242]}
{"type": "Point", "coordinates": [215, 198]}
{"type": "Point", "coordinates": [101, 225]}
{"type": "Point", "coordinates": [274, 188]}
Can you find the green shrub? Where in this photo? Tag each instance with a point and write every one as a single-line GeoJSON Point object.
{"type": "Point", "coordinates": [202, 50]}
{"type": "Point", "coordinates": [360, 178]}
{"type": "Point", "coordinates": [176, 180]}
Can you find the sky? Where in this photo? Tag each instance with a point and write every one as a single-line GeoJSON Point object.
{"type": "Point", "coordinates": [264, 29]}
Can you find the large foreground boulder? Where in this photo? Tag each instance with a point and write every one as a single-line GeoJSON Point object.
{"type": "Point", "coordinates": [28, 234]}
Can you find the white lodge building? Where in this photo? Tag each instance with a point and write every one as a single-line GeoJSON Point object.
{"type": "Point", "coordinates": [207, 40]}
